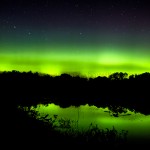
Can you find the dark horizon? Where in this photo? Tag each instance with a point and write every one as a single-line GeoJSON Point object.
{"type": "Point", "coordinates": [20, 91]}
{"type": "Point", "coordinates": [117, 91]}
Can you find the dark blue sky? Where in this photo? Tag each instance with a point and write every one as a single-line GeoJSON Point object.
{"type": "Point", "coordinates": [81, 19]}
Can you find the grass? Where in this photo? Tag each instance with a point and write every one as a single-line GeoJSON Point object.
{"type": "Point", "coordinates": [60, 131]}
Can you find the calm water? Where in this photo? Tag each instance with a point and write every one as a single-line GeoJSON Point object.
{"type": "Point", "coordinates": [138, 125]}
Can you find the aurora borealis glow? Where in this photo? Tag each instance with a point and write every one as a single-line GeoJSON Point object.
{"type": "Point", "coordinates": [90, 38]}
{"type": "Point", "coordinates": [59, 60]}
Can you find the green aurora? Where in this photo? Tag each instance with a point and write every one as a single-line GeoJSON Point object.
{"type": "Point", "coordinates": [90, 39]}
{"type": "Point", "coordinates": [85, 60]}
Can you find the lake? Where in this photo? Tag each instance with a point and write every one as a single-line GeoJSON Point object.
{"type": "Point", "coordinates": [137, 124]}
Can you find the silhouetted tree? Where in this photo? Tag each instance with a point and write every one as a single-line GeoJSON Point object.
{"type": "Point", "coordinates": [29, 89]}
{"type": "Point", "coordinates": [118, 76]}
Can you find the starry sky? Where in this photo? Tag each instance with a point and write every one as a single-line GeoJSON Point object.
{"type": "Point", "coordinates": [89, 37]}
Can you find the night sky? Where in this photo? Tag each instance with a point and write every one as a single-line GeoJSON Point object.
{"type": "Point", "coordinates": [91, 37]}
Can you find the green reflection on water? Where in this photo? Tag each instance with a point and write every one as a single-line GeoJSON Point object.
{"type": "Point", "coordinates": [137, 124]}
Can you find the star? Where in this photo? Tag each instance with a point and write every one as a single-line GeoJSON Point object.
{"type": "Point", "coordinates": [29, 33]}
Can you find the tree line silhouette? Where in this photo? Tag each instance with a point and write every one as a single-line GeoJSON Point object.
{"type": "Point", "coordinates": [117, 91]}
{"type": "Point", "coordinates": [25, 89]}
